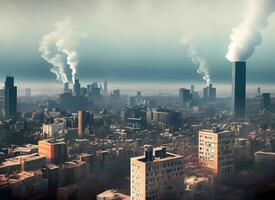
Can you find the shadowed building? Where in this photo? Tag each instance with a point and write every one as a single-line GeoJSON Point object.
{"type": "Point", "coordinates": [84, 123]}
{"type": "Point", "coordinates": [10, 98]}
{"type": "Point", "coordinates": [77, 88]}
{"type": "Point", "coordinates": [238, 89]}
{"type": "Point", "coordinates": [266, 101]}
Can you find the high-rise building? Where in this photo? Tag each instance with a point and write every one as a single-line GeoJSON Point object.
{"type": "Point", "coordinates": [216, 151]}
{"type": "Point", "coordinates": [238, 89]}
{"type": "Point", "coordinates": [76, 87]}
{"type": "Point", "coordinates": [10, 98]}
{"type": "Point", "coordinates": [84, 123]}
{"type": "Point", "coordinates": [185, 95]}
{"type": "Point", "coordinates": [157, 175]}
{"type": "Point", "coordinates": [209, 93]}
{"type": "Point", "coordinates": [105, 88]}
{"type": "Point", "coordinates": [266, 101]}
{"type": "Point", "coordinates": [54, 150]}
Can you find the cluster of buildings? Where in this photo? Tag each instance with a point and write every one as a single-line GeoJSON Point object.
{"type": "Point", "coordinates": [149, 147]}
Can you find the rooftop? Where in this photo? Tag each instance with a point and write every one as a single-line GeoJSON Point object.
{"type": "Point", "coordinates": [16, 160]}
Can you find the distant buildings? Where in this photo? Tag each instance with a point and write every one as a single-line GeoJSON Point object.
{"type": "Point", "coordinates": [216, 151]}
{"type": "Point", "coordinates": [266, 101]}
{"type": "Point", "coordinates": [163, 117]}
{"type": "Point", "coordinates": [71, 103]}
{"type": "Point", "coordinates": [54, 150]}
{"type": "Point", "coordinates": [136, 100]}
{"type": "Point", "coordinates": [134, 117]}
{"type": "Point", "coordinates": [185, 95]}
{"type": "Point", "coordinates": [53, 130]}
{"type": "Point", "coordinates": [115, 96]}
{"type": "Point", "coordinates": [157, 175]}
{"type": "Point", "coordinates": [209, 93]}
{"type": "Point", "coordinates": [77, 88]}
{"type": "Point", "coordinates": [10, 98]}
{"type": "Point", "coordinates": [238, 89]}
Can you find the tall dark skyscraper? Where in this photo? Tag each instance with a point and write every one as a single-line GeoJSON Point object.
{"type": "Point", "coordinates": [84, 122]}
{"type": "Point", "coordinates": [238, 89]}
{"type": "Point", "coordinates": [10, 98]}
{"type": "Point", "coordinates": [185, 95]}
{"type": "Point", "coordinates": [76, 88]}
{"type": "Point", "coordinates": [266, 101]}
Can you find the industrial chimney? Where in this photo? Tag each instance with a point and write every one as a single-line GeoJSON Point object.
{"type": "Point", "coordinates": [238, 89]}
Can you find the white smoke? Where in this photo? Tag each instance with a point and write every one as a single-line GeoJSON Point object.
{"type": "Point", "coordinates": [64, 41]}
{"type": "Point", "coordinates": [247, 36]}
{"type": "Point", "coordinates": [200, 63]}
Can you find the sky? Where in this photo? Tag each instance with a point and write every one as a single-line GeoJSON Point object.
{"type": "Point", "coordinates": [134, 41]}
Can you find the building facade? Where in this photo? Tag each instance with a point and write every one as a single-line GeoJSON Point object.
{"type": "Point", "coordinates": [157, 175]}
{"type": "Point", "coordinates": [10, 98]}
{"type": "Point", "coordinates": [54, 150]}
{"type": "Point", "coordinates": [216, 151]}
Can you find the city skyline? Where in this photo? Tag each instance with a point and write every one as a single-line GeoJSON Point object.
{"type": "Point", "coordinates": [137, 99]}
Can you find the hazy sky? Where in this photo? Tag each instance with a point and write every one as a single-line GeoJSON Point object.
{"type": "Point", "coordinates": [131, 40]}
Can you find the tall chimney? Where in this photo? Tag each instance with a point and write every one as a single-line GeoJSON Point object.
{"type": "Point", "coordinates": [238, 89]}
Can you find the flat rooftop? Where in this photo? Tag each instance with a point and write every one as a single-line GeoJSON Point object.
{"type": "Point", "coordinates": [215, 132]}
{"type": "Point", "coordinates": [169, 156]}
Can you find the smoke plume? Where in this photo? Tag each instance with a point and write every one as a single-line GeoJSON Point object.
{"type": "Point", "coordinates": [247, 36]}
{"type": "Point", "coordinates": [200, 63]}
{"type": "Point", "coordinates": [59, 44]}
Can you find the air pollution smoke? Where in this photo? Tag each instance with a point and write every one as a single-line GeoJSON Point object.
{"type": "Point", "coordinates": [200, 63]}
{"type": "Point", "coordinates": [247, 36]}
{"type": "Point", "coordinates": [58, 46]}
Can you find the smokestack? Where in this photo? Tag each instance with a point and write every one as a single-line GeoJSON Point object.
{"type": "Point", "coordinates": [238, 89]}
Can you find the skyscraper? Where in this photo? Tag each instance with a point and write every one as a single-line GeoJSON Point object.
{"type": "Point", "coordinates": [266, 101]}
{"type": "Point", "coordinates": [10, 98]}
{"type": "Point", "coordinates": [238, 89]}
{"type": "Point", "coordinates": [157, 175]}
{"type": "Point", "coordinates": [115, 96]}
{"type": "Point", "coordinates": [209, 93]}
{"type": "Point", "coordinates": [76, 88]}
{"type": "Point", "coordinates": [185, 95]}
{"type": "Point", "coordinates": [84, 123]}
